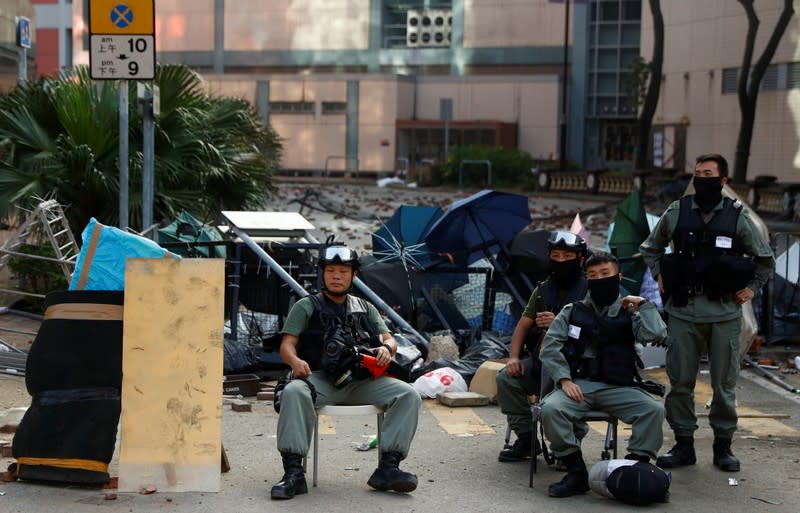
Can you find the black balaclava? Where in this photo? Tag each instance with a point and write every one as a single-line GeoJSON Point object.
{"type": "Point", "coordinates": [565, 273]}
{"type": "Point", "coordinates": [708, 192]}
{"type": "Point", "coordinates": [604, 290]}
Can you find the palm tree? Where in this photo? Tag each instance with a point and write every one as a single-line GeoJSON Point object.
{"type": "Point", "coordinates": [59, 138]}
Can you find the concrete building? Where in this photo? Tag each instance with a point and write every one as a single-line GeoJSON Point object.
{"type": "Point", "coordinates": [9, 53]}
{"type": "Point", "coordinates": [358, 84]}
{"type": "Point", "coordinates": [53, 35]}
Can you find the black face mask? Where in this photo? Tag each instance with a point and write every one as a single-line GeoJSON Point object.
{"type": "Point", "coordinates": [566, 272]}
{"type": "Point", "coordinates": [604, 290]}
{"type": "Point", "coordinates": [708, 192]}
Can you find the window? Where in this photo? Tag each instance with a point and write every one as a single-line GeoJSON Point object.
{"type": "Point", "coordinates": [793, 80]}
{"type": "Point", "coordinates": [730, 79]}
{"type": "Point", "coordinates": [291, 107]}
{"type": "Point", "coordinates": [334, 107]}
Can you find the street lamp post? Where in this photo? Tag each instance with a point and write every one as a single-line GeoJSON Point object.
{"type": "Point", "coordinates": [562, 152]}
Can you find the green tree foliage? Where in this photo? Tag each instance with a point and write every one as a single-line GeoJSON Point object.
{"type": "Point", "coordinates": [509, 167]}
{"type": "Point", "coordinates": [59, 137]}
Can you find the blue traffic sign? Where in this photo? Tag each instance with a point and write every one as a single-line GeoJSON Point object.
{"type": "Point", "coordinates": [121, 16]}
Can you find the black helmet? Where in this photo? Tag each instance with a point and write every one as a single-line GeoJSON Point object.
{"type": "Point", "coordinates": [567, 240]}
{"type": "Point", "coordinates": [339, 255]}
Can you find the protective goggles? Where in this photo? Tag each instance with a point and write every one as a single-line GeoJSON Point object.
{"type": "Point", "coordinates": [566, 239]}
{"type": "Point", "coordinates": [339, 254]}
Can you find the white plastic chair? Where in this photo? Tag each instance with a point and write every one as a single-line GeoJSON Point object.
{"type": "Point", "coordinates": [339, 411]}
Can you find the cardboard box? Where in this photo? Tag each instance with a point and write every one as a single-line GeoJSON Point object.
{"type": "Point", "coordinates": [484, 380]}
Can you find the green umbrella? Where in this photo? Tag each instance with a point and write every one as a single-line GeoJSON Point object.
{"type": "Point", "coordinates": [630, 230]}
{"type": "Point", "coordinates": [187, 228]}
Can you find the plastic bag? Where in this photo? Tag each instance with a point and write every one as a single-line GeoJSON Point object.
{"type": "Point", "coordinates": [440, 380]}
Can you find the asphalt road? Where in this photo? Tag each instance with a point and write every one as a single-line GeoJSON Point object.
{"type": "Point", "coordinates": [455, 456]}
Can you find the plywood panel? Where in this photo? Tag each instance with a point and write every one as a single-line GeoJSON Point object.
{"type": "Point", "coordinates": [171, 427]}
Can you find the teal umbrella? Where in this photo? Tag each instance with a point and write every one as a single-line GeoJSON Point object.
{"type": "Point", "coordinates": [187, 228]}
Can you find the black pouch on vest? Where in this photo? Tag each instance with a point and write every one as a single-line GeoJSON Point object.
{"type": "Point", "coordinates": [614, 364]}
{"type": "Point", "coordinates": [731, 274]}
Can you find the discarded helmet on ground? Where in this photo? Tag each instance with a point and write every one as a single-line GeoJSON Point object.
{"type": "Point", "coordinates": [567, 240]}
{"type": "Point", "coordinates": [629, 481]}
{"type": "Point", "coordinates": [339, 255]}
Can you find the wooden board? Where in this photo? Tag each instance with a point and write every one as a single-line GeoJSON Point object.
{"type": "Point", "coordinates": [171, 423]}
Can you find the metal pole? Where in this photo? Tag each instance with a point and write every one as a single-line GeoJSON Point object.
{"type": "Point", "coordinates": [123, 154]}
{"type": "Point", "coordinates": [147, 155]}
{"type": "Point", "coordinates": [447, 141]}
{"type": "Point", "coordinates": [563, 136]}
{"type": "Point", "coordinates": [23, 64]}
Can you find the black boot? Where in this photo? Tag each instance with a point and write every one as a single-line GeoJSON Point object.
{"type": "Point", "coordinates": [681, 454]}
{"type": "Point", "coordinates": [577, 479]}
{"type": "Point", "coordinates": [388, 475]}
{"type": "Point", "coordinates": [723, 457]}
{"type": "Point", "coordinates": [521, 450]}
{"type": "Point", "coordinates": [294, 478]}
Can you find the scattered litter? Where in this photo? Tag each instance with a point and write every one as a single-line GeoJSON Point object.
{"type": "Point", "coordinates": [148, 490]}
{"type": "Point", "coordinates": [110, 496]}
{"type": "Point", "coordinates": [767, 501]}
{"type": "Point", "coordinates": [732, 481]}
{"type": "Point", "coordinates": [2, 493]}
{"type": "Point", "coordinates": [352, 468]}
{"type": "Point", "coordinates": [365, 446]}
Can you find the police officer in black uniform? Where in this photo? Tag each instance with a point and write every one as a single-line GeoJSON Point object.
{"type": "Point", "coordinates": [589, 350]}
{"type": "Point", "coordinates": [719, 261]}
{"type": "Point", "coordinates": [322, 338]}
{"type": "Point", "coordinates": [521, 376]}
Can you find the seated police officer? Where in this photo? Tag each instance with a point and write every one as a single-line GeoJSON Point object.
{"type": "Point", "coordinates": [590, 353]}
{"type": "Point", "coordinates": [322, 338]}
{"type": "Point", "coordinates": [521, 376]}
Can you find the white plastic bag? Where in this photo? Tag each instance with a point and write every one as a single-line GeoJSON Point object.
{"type": "Point", "coordinates": [438, 381]}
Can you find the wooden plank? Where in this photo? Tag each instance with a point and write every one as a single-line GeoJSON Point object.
{"type": "Point", "coordinates": [171, 423]}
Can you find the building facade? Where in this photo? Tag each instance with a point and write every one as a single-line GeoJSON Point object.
{"type": "Point", "coordinates": [359, 84]}
{"type": "Point", "coordinates": [9, 53]}
{"type": "Point", "coordinates": [53, 34]}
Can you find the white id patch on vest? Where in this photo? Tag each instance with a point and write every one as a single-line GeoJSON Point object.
{"type": "Point", "coordinates": [724, 242]}
{"type": "Point", "coordinates": [574, 331]}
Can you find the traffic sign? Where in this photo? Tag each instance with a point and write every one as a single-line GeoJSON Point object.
{"type": "Point", "coordinates": [122, 57]}
{"type": "Point", "coordinates": [23, 32]}
{"type": "Point", "coordinates": [122, 17]}
{"type": "Point", "coordinates": [122, 43]}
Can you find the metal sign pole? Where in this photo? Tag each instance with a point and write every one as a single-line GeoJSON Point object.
{"type": "Point", "coordinates": [148, 148]}
{"type": "Point", "coordinates": [23, 64]}
{"type": "Point", "coordinates": [123, 154]}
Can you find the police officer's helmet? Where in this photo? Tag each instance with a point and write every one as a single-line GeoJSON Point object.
{"type": "Point", "coordinates": [567, 240]}
{"type": "Point", "coordinates": [339, 255]}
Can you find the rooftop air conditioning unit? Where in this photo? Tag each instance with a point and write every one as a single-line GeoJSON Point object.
{"type": "Point", "coordinates": [413, 25]}
{"type": "Point", "coordinates": [441, 26]}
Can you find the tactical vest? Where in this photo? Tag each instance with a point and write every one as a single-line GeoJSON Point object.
{"type": "Point", "coordinates": [327, 318]}
{"type": "Point", "coordinates": [612, 339]}
{"type": "Point", "coordinates": [708, 257]}
{"type": "Point", "coordinates": [554, 302]}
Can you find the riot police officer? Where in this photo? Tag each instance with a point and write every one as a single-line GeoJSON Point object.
{"type": "Point", "coordinates": [521, 376]}
{"type": "Point", "coordinates": [319, 336]}
{"type": "Point", "coordinates": [589, 351]}
{"type": "Point", "coordinates": [719, 261]}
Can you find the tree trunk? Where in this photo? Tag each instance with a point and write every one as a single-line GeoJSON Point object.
{"type": "Point", "coordinates": [750, 80]}
{"type": "Point", "coordinates": [653, 87]}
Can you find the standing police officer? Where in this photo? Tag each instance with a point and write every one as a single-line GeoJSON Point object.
{"type": "Point", "coordinates": [521, 376]}
{"type": "Point", "coordinates": [590, 353]}
{"type": "Point", "coordinates": [719, 262]}
{"type": "Point", "coordinates": [319, 336]}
